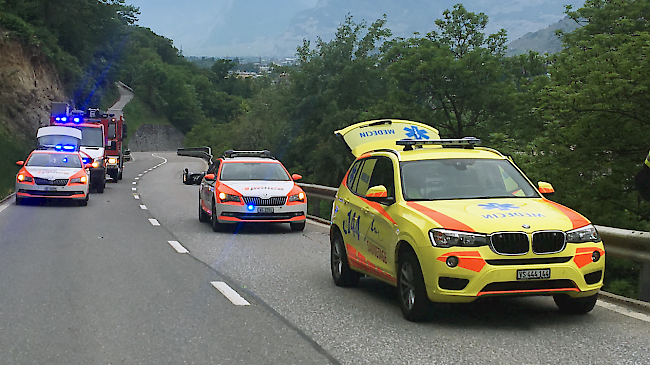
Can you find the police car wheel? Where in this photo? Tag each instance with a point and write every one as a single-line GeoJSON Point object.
{"type": "Point", "coordinates": [83, 202]}
{"type": "Point", "coordinates": [342, 274]}
{"type": "Point", "coordinates": [569, 305]}
{"type": "Point", "coordinates": [297, 226]}
{"type": "Point", "coordinates": [203, 216]}
{"type": "Point", "coordinates": [216, 226]}
{"type": "Point", "coordinates": [413, 300]}
{"type": "Point", "coordinates": [19, 200]}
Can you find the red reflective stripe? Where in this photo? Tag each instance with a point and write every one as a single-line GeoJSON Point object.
{"type": "Point", "coordinates": [444, 220]}
{"type": "Point", "coordinates": [470, 260]}
{"type": "Point", "coordinates": [528, 291]}
{"type": "Point", "coordinates": [576, 219]}
{"type": "Point", "coordinates": [380, 209]}
{"type": "Point", "coordinates": [583, 255]}
{"type": "Point", "coordinates": [357, 260]}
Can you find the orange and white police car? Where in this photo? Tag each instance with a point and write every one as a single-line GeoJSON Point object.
{"type": "Point", "coordinates": [448, 221]}
{"type": "Point", "coordinates": [251, 186]}
{"type": "Point", "coordinates": [53, 174]}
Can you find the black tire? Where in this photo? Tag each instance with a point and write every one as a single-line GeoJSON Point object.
{"type": "Point", "coordinates": [119, 175]}
{"type": "Point", "coordinates": [83, 202]}
{"type": "Point", "coordinates": [19, 200]}
{"type": "Point", "coordinates": [216, 226]}
{"type": "Point", "coordinates": [203, 216]}
{"type": "Point", "coordinates": [569, 305]}
{"type": "Point", "coordinates": [299, 226]}
{"type": "Point", "coordinates": [113, 175]}
{"type": "Point", "coordinates": [342, 274]}
{"type": "Point", "coordinates": [413, 300]}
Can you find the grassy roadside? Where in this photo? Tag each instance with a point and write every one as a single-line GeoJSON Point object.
{"type": "Point", "coordinates": [10, 152]}
{"type": "Point", "coordinates": [137, 113]}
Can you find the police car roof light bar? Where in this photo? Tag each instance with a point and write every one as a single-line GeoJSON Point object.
{"type": "Point", "coordinates": [262, 154]}
{"type": "Point", "coordinates": [467, 142]}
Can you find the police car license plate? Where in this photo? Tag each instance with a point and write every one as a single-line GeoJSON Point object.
{"type": "Point", "coordinates": [533, 274]}
{"type": "Point", "coordinates": [264, 210]}
{"type": "Point", "coordinates": [51, 188]}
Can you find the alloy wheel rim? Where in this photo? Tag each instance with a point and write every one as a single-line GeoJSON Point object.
{"type": "Point", "coordinates": [407, 290]}
{"type": "Point", "coordinates": [336, 259]}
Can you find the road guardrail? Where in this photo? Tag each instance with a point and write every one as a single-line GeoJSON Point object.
{"type": "Point", "coordinates": [633, 245]}
{"type": "Point", "coordinates": [200, 152]}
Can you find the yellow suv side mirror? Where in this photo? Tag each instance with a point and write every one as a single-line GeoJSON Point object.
{"type": "Point", "coordinates": [545, 188]}
{"type": "Point", "coordinates": [378, 191]}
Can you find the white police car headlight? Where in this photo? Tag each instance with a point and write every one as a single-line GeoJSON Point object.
{"type": "Point", "coordinates": [297, 198]}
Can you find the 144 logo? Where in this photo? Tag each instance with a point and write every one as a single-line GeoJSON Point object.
{"type": "Point", "coordinates": [351, 225]}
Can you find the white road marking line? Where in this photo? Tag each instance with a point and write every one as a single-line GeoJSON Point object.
{"type": "Point", "coordinates": [178, 247]}
{"type": "Point", "coordinates": [140, 175]}
{"type": "Point", "coordinates": [137, 178]}
{"type": "Point", "coordinates": [143, 207]}
{"type": "Point", "coordinates": [153, 222]}
{"type": "Point", "coordinates": [229, 293]}
{"type": "Point", "coordinates": [134, 189]}
{"type": "Point", "coordinates": [624, 311]}
{"type": "Point", "coordinates": [6, 204]}
{"type": "Point", "coordinates": [136, 196]}
{"type": "Point", "coordinates": [135, 182]}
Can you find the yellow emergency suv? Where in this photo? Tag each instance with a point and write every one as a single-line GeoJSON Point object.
{"type": "Point", "coordinates": [444, 220]}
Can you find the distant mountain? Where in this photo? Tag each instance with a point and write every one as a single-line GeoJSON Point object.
{"type": "Point", "coordinates": [245, 30]}
{"type": "Point", "coordinates": [542, 41]}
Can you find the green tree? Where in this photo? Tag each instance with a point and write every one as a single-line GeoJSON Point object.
{"type": "Point", "coordinates": [597, 120]}
{"type": "Point", "coordinates": [453, 79]}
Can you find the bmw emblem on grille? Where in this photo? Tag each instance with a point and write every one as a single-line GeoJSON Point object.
{"type": "Point", "coordinates": [525, 226]}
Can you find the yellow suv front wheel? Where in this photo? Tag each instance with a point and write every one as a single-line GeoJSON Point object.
{"type": "Point", "coordinates": [413, 299]}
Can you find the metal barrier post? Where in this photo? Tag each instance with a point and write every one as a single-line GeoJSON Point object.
{"type": "Point", "coordinates": [644, 282]}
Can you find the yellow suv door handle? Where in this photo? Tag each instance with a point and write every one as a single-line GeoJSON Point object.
{"type": "Point", "coordinates": [346, 200]}
{"type": "Point", "coordinates": [365, 210]}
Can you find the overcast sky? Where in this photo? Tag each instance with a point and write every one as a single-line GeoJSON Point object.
{"type": "Point", "coordinates": [190, 22]}
{"type": "Point", "coordinates": [243, 27]}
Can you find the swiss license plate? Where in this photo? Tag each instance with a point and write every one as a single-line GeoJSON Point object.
{"type": "Point", "coordinates": [533, 274]}
{"type": "Point", "coordinates": [264, 210]}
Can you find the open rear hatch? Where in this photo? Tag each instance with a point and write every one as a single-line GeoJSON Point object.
{"type": "Point", "coordinates": [383, 134]}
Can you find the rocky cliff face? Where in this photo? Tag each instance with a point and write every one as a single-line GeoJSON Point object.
{"type": "Point", "coordinates": [28, 85]}
{"type": "Point", "coordinates": [153, 137]}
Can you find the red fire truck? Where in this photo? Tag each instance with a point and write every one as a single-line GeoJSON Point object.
{"type": "Point", "coordinates": [115, 135]}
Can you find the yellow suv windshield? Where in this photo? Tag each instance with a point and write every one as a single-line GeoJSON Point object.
{"type": "Point", "coordinates": [463, 179]}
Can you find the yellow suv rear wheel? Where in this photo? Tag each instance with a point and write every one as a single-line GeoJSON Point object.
{"type": "Point", "coordinates": [342, 274]}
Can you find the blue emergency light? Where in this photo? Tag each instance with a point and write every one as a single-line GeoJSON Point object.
{"type": "Point", "coordinates": [76, 120]}
{"type": "Point", "coordinates": [66, 147]}
{"type": "Point", "coordinates": [250, 207]}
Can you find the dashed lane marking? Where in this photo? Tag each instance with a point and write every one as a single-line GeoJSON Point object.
{"type": "Point", "coordinates": [134, 189]}
{"type": "Point", "coordinates": [154, 222]}
{"type": "Point", "coordinates": [140, 175]}
{"type": "Point", "coordinates": [229, 293]}
{"type": "Point", "coordinates": [624, 311]}
{"type": "Point", "coordinates": [178, 247]}
{"type": "Point", "coordinates": [136, 196]}
{"type": "Point", "coordinates": [143, 207]}
{"type": "Point", "coordinates": [137, 178]}
{"type": "Point", "coordinates": [135, 182]}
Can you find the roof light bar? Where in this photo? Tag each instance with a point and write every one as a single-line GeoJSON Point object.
{"type": "Point", "coordinates": [263, 154]}
{"type": "Point", "coordinates": [467, 142]}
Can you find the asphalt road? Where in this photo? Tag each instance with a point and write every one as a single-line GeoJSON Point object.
{"type": "Point", "coordinates": [102, 285]}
